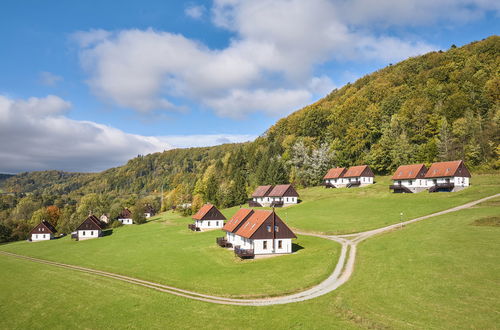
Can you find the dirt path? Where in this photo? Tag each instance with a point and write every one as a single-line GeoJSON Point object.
{"type": "Point", "coordinates": [341, 274]}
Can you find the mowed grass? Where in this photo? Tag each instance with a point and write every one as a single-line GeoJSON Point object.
{"type": "Point", "coordinates": [351, 210]}
{"type": "Point", "coordinates": [165, 251]}
{"type": "Point", "coordinates": [440, 273]}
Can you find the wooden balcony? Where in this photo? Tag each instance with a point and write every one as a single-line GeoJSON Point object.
{"type": "Point", "coordinates": [252, 203]}
{"type": "Point", "coordinates": [328, 185]}
{"type": "Point", "coordinates": [353, 184]}
{"type": "Point", "coordinates": [447, 186]}
{"type": "Point", "coordinates": [398, 188]}
{"type": "Point", "coordinates": [193, 227]}
{"type": "Point", "coordinates": [244, 253]}
{"type": "Point", "coordinates": [222, 242]}
{"type": "Point", "coordinates": [277, 204]}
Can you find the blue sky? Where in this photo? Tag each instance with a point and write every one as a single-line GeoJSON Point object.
{"type": "Point", "coordinates": [98, 82]}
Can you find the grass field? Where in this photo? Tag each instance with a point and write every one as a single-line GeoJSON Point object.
{"type": "Point", "coordinates": [165, 251]}
{"type": "Point", "coordinates": [441, 273]}
{"type": "Point", "coordinates": [344, 210]}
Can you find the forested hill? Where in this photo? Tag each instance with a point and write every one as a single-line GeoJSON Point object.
{"type": "Point", "coordinates": [439, 106]}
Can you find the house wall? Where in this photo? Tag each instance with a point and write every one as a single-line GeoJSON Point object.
{"type": "Point", "coordinates": [126, 221]}
{"type": "Point", "coordinates": [88, 234]}
{"type": "Point", "coordinates": [147, 215]}
{"type": "Point", "coordinates": [209, 224]}
{"type": "Point", "coordinates": [258, 246]}
{"type": "Point", "coordinates": [41, 237]}
{"type": "Point", "coordinates": [459, 182]}
{"type": "Point", "coordinates": [265, 201]}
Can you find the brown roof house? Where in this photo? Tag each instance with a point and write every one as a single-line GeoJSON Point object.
{"type": "Point", "coordinates": [358, 176]}
{"type": "Point", "coordinates": [125, 217]}
{"type": "Point", "coordinates": [44, 231]}
{"type": "Point", "coordinates": [448, 176]}
{"type": "Point", "coordinates": [274, 196]}
{"type": "Point", "coordinates": [149, 211]}
{"type": "Point", "coordinates": [334, 178]}
{"type": "Point", "coordinates": [256, 232]}
{"type": "Point", "coordinates": [208, 217]}
{"type": "Point", "coordinates": [409, 179]}
{"type": "Point", "coordinates": [90, 228]}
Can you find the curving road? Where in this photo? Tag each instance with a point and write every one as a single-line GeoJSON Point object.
{"type": "Point", "coordinates": [341, 274]}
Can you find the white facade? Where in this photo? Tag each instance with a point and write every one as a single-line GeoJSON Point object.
{"type": "Point", "coordinates": [147, 215]}
{"type": "Point", "coordinates": [415, 185]}
{"type": "Point", "coordinates": [88, 234]}
{"type": "Point", "coordinates": [261, 246]}
{"type": "Point", "coordinates": [342, 182]}
{"type": "Point", "coordinates": [126, 221]}
{"type": "Point", "coordinates": [459, 182]}
{"type": "Point", "coordinates": [41, 237]}
{"type": "Point", "coordinates": [266, 201]}
{"type": "Point", "coordinates": [209, 224]}
{"type": "Point", "coordinates": [338, 183]}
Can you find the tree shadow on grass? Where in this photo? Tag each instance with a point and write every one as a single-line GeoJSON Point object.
{"type": "Point", "coordinates": [296, 247]}
{"type": "Point", "coordinates": [107, 232]}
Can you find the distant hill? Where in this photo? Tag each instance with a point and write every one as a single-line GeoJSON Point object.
{"type": "Point", "coordinates": [439, 106]}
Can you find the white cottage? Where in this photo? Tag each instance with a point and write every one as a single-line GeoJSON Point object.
{"type": "Point", "coordinates": [448, 176]}
{"type": "Point", "coordinates": [89, 228]}
{"type": "Point", "coordinates": [207, 217]}
{"type": "Point", "coordinates": [274, 196]}
{"type": "Point", "coordinates": [232, 226]}
{"type": "Point", "coordinates": [125, 217]}
{"type": "Point", "coordinates": [409, 179]}
{"type": "Point", "coordinates": [358, 176]}
{"type": "Point", "coordinates": [257, 232]}
{"type": "Point", "coordinates": [44, 231]}
{"type": "Point", "coordinates": [334, 178]}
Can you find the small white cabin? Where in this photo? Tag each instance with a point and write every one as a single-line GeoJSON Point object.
{"type": "Point", "coordinates": [89, 228]}
{"type": "Point", "coordinates": [208, 217]}
{"type": "Point", "coordinates": [409, 179]}
{"type": "Point", "coordinates": [275, 196]}
{"type": "Point", "coordinates": [358, 176]}
{"type": "Point", "coordinates": [44, 231]}
{"type": "Point", "coordinates": [125, 217]}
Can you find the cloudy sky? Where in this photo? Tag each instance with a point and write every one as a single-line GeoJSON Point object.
{"type": "Point", "coordinates": [87, 85]}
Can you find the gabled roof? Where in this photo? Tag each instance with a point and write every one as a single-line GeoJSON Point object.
{"type": "Point", "coordinates": [125, 214]}
{"type": "Point", "coordinates": [91, 223]}
{"type": "Point", "coordinates": [148, 208]}
{"type": "Point", "coordinates": [260, 226]}
{"type": "Point", "coordinates": [283, 190]}
{"type": "Point", "coordinates": [262, 191]}
{"type": "Point", "coordinates": [253, 223]}
{"type": "Point", "coordinates": [208, 212]}
{"type": "Point", "coordinates": [357, 171]}
{"type": "Point", "coordinates": [447, 169]}
{"type": "Point", "coordinates": [43, 227]}
{"type": "Point", "coordinates": [414, 171]}
{"type": "Point", "coordinates": [237, 219]}
{"type": "Point", "coordinates": [335, 173]}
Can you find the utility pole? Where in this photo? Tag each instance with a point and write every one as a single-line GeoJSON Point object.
{"type": "Point", "coordinates": [274, 231]}
{"type": "Point", "coordinates": [401, 219]}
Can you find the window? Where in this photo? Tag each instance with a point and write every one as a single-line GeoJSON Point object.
{"type": "Point", "coordinates": [410, 182]}
{"type": "Point", "coordinates": [217, 223]}
{"type": "Point", "coordinates": [280, 244]}
{"type": "Point", "coordinates": [276, 229]}
{"type": "Point", "coordinates": [209, 223]}
{"type": "Point", "coordinates": [92, 233]}
{"type": "Point", "coordinates": [264, 245]}
{"type": "Point", "coordinates": [83, 233]}
{"type": "Point", "coordinates": [43, 235]}
{"type": "Point", "coordinates": [268, 228]}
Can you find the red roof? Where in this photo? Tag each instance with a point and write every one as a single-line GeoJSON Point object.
{"type": "Point", "coordinates": [253, 223]}
{"type": "Point", "coordinates": [357, 171]}
{"type": "Point", "coordinates": [283, 190]}
{"type": "Point", "coordinates": [405, 172]}
{"type": "Point", "coordinates": [202, 211]}
{"type": "Point", "coordinates": [447, 169]}
{"type": "Point", "coordinates": [261, 191]}
{"type": "Point", "coordinates": [237, 218]}
{"type": "Point", "coordinates": [335, 173]}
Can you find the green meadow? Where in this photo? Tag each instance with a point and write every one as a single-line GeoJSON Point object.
{"type": "Point", "coordinates": [441, 273]}
{"type": "Point", "coordinates": [165, 251]}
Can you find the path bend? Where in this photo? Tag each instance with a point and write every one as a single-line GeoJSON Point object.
{"type": "Point", "coordinates": [341, 273]}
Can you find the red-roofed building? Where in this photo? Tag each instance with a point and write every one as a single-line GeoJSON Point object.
{"type": "Point", "coordinates": [357, 176]}
{"type": "Point", "coordinates": [275, 196]}
{"type": "Point", "coordinates": [232, 225]}
{"type": "Point", "coordinates": [44, 231]}
{"type": "Point", "coordinates": [257, 232]}
{"type": "Point", "coordinates": [207, 217]}
{"type": "Point", "coordinates": [448, 176]}
{"type": "Point", "coordinates": [334, 178]}
{"type": "Point", "coordinates": [409, 179]}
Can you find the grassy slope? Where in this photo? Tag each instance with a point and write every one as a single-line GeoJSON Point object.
{"type": "Point", "coordinates": [342, 211]}
{"type": "Point", "coordinates": [170, 254]}
{"type": "Point", "coordinates": [439, 273]}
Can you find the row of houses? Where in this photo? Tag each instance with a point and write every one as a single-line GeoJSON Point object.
{"type": "Point", "coordinates": [91, 227]}
{"type": "Point", "coordinates": [249, 232]}
{"type": "Point", "coordinates": [442, 176]}
{"type": "Point", "coordinates": [354, 176]}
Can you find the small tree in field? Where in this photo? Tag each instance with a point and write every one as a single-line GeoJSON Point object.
{"type": "Point", "coordinates": [138, 214]}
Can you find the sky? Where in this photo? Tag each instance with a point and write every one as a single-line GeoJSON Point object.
{"type": "Point", "coordinates": [87, 85]}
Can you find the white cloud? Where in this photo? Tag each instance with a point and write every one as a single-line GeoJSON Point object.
{"type": "Point", "coordinates": [195, 11]}
{"type": "Point", "coordinates": [271, 63]}
{"type": "Point", "coordinates": [49, 79]}
{"type": "Point", "coordinates": [36, 135]}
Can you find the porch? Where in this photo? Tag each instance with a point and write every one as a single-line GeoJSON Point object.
{"type": "Point", "coordinates": [222, 242]}
{"type": "Point", "coordinates": [244, 253]}
{"type": "Point", "coordinates": [193, 227]}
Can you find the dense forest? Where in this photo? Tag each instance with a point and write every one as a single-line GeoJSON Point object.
{"type": "Point", "coordinates": [439, 106]}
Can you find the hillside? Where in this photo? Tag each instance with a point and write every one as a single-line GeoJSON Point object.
{"type": "Point", "coordinates": [439, 106]}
